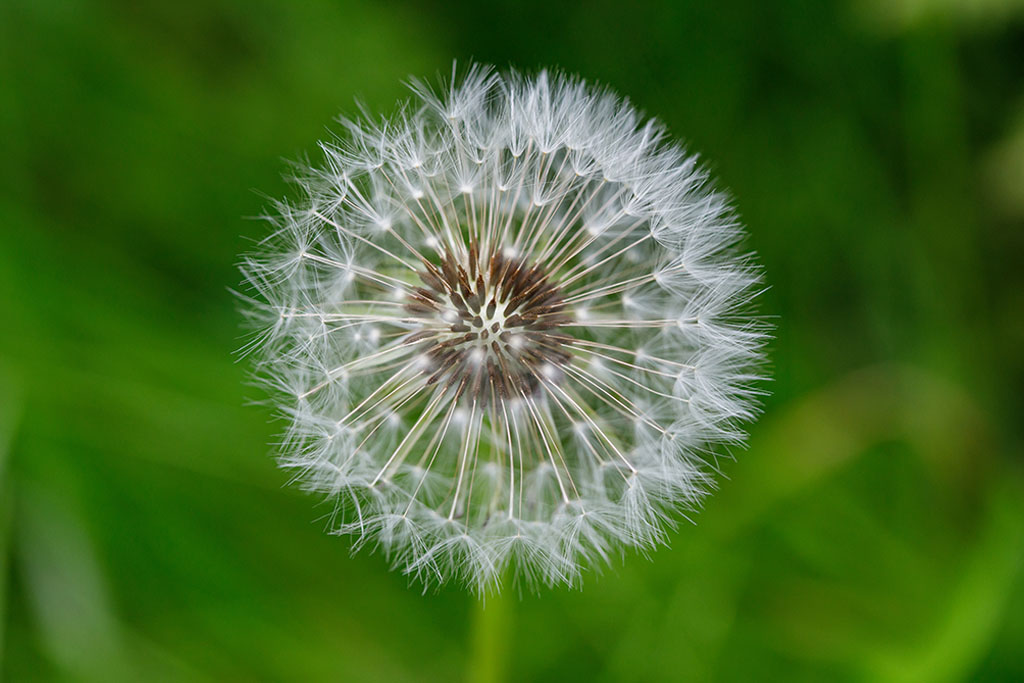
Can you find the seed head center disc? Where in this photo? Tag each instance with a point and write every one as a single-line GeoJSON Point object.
{"type": "Point", "coordinates": [489, 324]}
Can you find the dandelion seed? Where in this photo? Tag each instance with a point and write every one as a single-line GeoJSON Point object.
{"type": "Point", "coordinates": [506, 326]}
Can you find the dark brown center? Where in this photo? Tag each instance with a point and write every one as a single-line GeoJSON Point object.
{"type": "Point", "coordinates": [490, 325]}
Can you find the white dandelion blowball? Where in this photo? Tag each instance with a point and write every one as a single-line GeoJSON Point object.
{"type": "Point", "coordinates": [508, 328]}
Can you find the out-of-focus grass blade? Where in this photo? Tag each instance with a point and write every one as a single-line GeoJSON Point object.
{"type": "Point", "coordinates": [949, 650]}
{"type": "Point", "coordinates": [10, 407]}
{"type": "Point", "coordinates": [66, 590]}
{"type": "Point", "coordinates": [825, 430]}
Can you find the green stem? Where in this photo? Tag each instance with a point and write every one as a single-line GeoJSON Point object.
{"type": "Point", "coordinates": [490, 634]}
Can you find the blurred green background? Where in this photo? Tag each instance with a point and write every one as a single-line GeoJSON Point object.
{"type": "Point", "coordinates": [874, 530]}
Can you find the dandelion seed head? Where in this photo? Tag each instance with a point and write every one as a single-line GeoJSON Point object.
{"type": "Point", "coordinates": [505, 328]}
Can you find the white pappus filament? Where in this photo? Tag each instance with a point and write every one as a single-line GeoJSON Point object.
{"type": "Point", "coordinates": [508, 327]}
